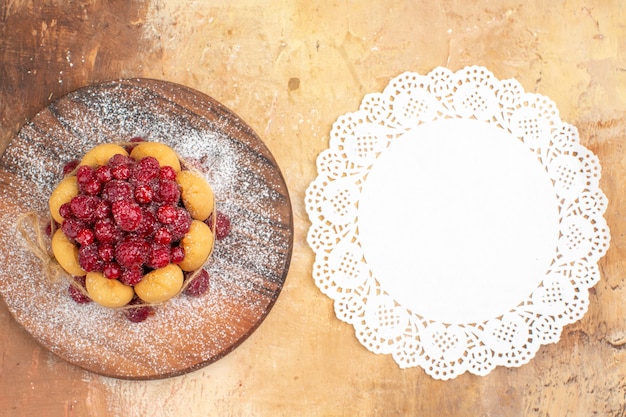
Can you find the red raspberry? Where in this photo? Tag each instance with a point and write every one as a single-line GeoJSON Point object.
{"type": "Point", "coordinates": [71, 227]}
{"type": "Point", "coordinates": [159, 256]}
{"type": "Point", "coordinates": [121, 172]}
{"type": "Point", "coordinates": [177, 254]}
{"type": "Point", "coordinates": [84, 207]}
{"type": "Point", "coordinates": [143, 194]}
{"type": "Point", "coordinates": [168, 192]}
{"type": "Point", "coordinates": [166, 214]}
{"type": "Point", "coordinates": [85, 237]}
{"type": "Point", "coordinates": [167, 173]}
{"type": "Point", "coordinates": [88, 258]}
{"type": "Point", "coordinates": [199, 285]}
{"type": "Point", "coordinates": [138, 314]}
{"type": "Point", "coordinates": [77, 295]}
{"type": "Point", "coordinates": [119, 159]}
{"type": "Point", "coordinates": [112, 270]}
{"type": "Point", "coordinates": [131, 252]}
{"type": "Point", "coordinates": [106, 231]}
{"type": "Point", "coordinates": [92, 187]}
{"type": "Point", "coordinates": [148, 224]}
{"type": "Point", "coordinates": [134, 140]}
{"type": "Point", "coordinates": [103, 174]}
{"type": "Point", "coordinates": [127, 215]}
{"type": "Point", "coordinates": [65, 210]}
{"type": "Point", "coordinates": [131, 276]}
{"type": "Point", "coordinates": [180, 225]}
{"type": "Point", "coordinates": [69, 167]}
{"type": "Point", "coordinates": [116, 190]}
{"type": "Point", "coordinates": [103, 210]}
{"type": "Point", "coordinates": [222, 225]}
{"type": "Point", "coordinates": [84, 174]}
{"type": "Point", "coordinates": [163, 236]}
{"type": "Point", "coordinates": [146, 170]}
{"type": "Point", "coordinates": [106, 252]}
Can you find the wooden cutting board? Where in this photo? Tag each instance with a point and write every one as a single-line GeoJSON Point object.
{"type": "Point", "coordinates": [247, 269]}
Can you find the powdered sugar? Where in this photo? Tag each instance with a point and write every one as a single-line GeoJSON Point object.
{"type": "Point", "coordinates": [247, 269]}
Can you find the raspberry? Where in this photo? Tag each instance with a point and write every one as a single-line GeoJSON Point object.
{"type": "Point", "coordinates": [70, 166]}
{"type": "Point", "coordinates": [133, 141]}
{"type": "Point", "coordinates": [112, 270]}
{"type": "Point", "coordinates": [88, 258]}
{"type": "Point", "coordinates": [199, 285]}
{"type": "Point", "coordinates": [169, 192]}
{"type": "Point", "coordinates": [131, 276]}
{"type": "Point", "coordinates": [222, 225]}
{"type": "Point", "coordinates": [103, 174]}
{"type": "Point", "coordinates": [159, 256]}
{"type": "Point", "coordinates": [85, 237]}
{"type": "Point", "coordinates": [71, 227]}
{"type": "Point", "coordinates": [106, 231]}
{"type": "Point", "coordinates": [138, 314]}
{"type": "Point", "coordinates": [181, 224]}
{"type": "Point", "coordinates": [167, 173]}
{"type": "Point", "coordinates": [103, 209]}
{"type": "Point", "coordinates": [177, 254]}
{"type": "Point", "coordinates": [131, 252]}
{"type": "Point", "coordinates": [77, 295]}
{"type": "Point", "coordinates": [65, 210]}
{"type": "Point", "coordinates": [146, 170]}
{"type": "Point", "coordinates": [119, 159]}
{"type": "Point", "coordinates": [92, 187]}
{"type": "Point", "coordinates": [166, 214]}
{"type": "Point", "coordinates": [116, 190]}
{"type": "Point", "coordinates": [127, 215]}
{"type": "Point", "coordinates": [121, 172]}
{"type": "Point", "coordinates": [148, 224]}
{"type": "Point", "coordinates": [84, 174]}
{"type": "Point", "coordinates": [143, 194]}
{"type": "Point", "coordinates": [84, 206]}
{"type": "Point", "coordinates": [163, 236]}
{"type": "Point", "coordinates": [106, 252]}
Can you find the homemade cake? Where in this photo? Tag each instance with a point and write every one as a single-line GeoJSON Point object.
{"type": "Point", "coordinates": [132, 226]}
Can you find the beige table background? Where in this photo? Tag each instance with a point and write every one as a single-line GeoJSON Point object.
{"type": "Point", "coordinates": [290, 68]}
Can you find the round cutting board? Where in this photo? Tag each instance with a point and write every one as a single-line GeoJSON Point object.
{"type": "Point", "coordinates": [247, 269]}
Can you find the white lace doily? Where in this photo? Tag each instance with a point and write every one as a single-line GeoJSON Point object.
{"type": "Point", "coordinates": [457, 222]}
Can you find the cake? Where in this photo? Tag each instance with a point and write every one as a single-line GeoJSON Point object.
{"type": "Point", "coordinates": [132, 226]}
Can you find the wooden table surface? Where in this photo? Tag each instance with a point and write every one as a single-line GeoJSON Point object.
{"type": "Point", "coordinates": [289, 69]}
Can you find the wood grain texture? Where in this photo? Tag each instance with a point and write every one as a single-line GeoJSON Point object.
{"type": "Point", "coordinates": [289, 69]}
{"type": "Point", "coordinates": [247, 269]}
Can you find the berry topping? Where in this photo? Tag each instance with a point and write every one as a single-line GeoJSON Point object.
{"type": "Point", "coordinates": [143, 194]}
{"type": "Point", "coordinates": [75, 291]}
{"type": "Point", "coordinates": [106, 252]}
{"type": "Point", "coordinates": [138, 314]}
{"type": "Point", "coordinates": [65, 210]}
{"type": "Point", "coordinates": [103, 174]}
{"type": "Point", "coordinates": [131, 276]}
{"type": "Point", "coordinates": [116, 190]}
{"type": "Point", "coordinates": [166, 214]}
{"type": "Point", "coordinates": [84, 174]}
{"type": "Point", "coordinates": [177, 255]}
{"type": "Point", "coordinates": [84, 206]}
{"type": "Point", "coordinates": [112, 270]}
{"type": "Point", "coordinates": [131, 252]}
{"type": "Point", "coordinates": [168, 191]}
{"type": "Point", "coordinates": [121, 172]}
{"type": "Point", "coordinates": [71, 227]}
{"type": "Point", "coordinates": [88, 258]}
{"type": "Point", "coordinates": [222, 225]}
{"type": "Point", "coordinates": [167, 173]}
{"type": "Point", "coordinates": [106, 231]}
{"type": "Point", "coordinates": [85, 237]}
{"type": "Point", "coordinates": [199, 285]}
{"type": "Point", "coordinates": [70, 166]}
{"type": "Point", "coordinates": [159, 256]}
{"type": "Point", "coordinates": [163, 236]}
{"type": "Point", "coordinates": [127, 215]}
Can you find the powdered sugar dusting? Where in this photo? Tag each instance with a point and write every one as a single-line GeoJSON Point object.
{"type": "Point", "coordinates": [247, 269]}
